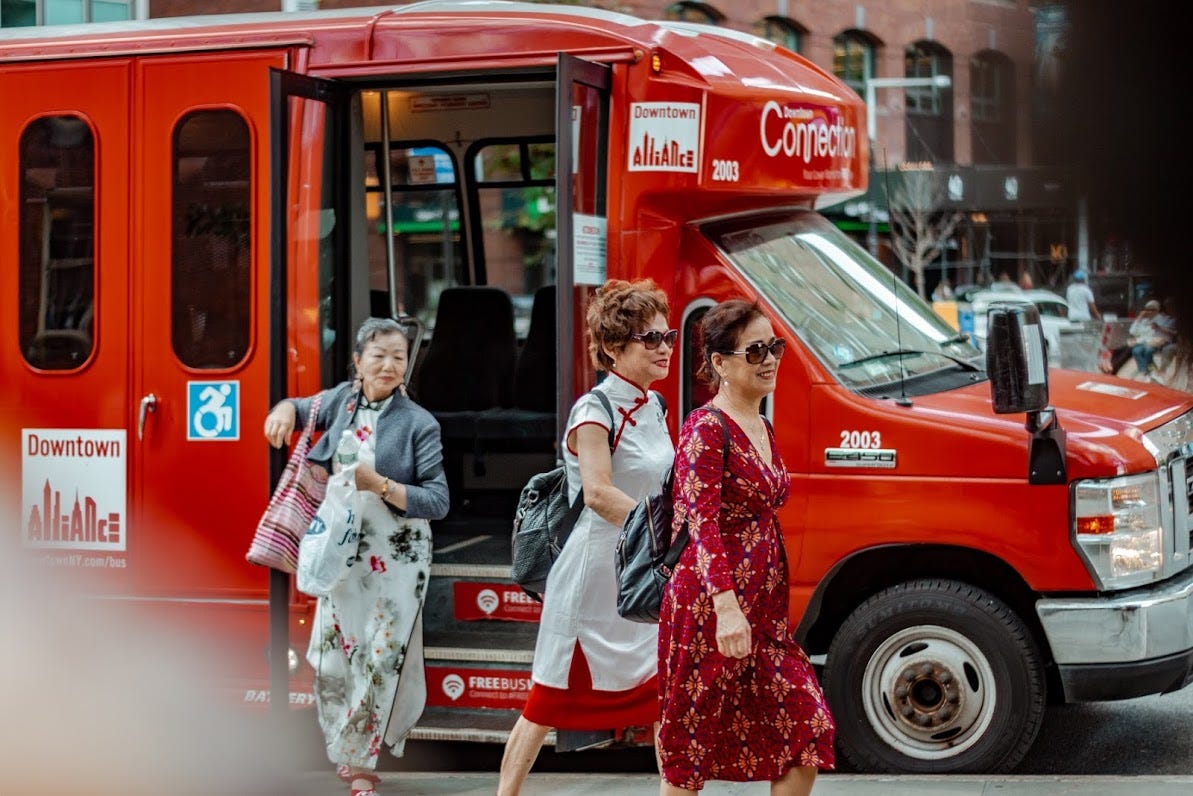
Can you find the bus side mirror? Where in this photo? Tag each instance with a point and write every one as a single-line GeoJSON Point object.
{"type": "Point", "coordinates": [1018, 369]}
{"type": "Point", "coordinates": [1015, 359]}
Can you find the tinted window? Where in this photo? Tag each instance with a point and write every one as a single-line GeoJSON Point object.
{"type": "Point", "coordinates": [57, 247]}
{"type": "Point", "coordinates": [212, 239]}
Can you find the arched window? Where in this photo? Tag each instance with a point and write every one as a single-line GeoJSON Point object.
{"type": "Point", "coordinates": [691, 11]}
{"type": "Point", "coordinates": [929, 116]}
{"type": "Point", "coordinates": [853, 59]}
{"type": "Point", "coordinates": [783, 31]}
{"type": "Point", "coordinates": [210, 274]}
{"type": "Point", "coordinates": [991, 108]}
{"type": "Point", "coordinates": [56, 266]}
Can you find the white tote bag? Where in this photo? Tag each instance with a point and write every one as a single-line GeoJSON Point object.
{"type": "Point", "coordinates": [329, 548]}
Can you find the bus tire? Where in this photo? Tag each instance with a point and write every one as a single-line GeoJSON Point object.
{"type": "Point", "coordinates": [934, 677]}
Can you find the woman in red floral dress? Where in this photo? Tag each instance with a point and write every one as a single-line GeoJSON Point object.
{"type": "Point", "coordinates": [739, 698]}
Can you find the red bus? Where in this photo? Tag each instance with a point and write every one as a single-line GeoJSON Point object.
{"type": "Point", "coordinates": [197, 212]}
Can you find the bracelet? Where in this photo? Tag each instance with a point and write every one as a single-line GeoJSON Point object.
{"type": "Point", "coordinates": [385, 489]}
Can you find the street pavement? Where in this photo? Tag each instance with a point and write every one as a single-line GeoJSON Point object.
{"type": "Point", "coordinates": [424, 783]}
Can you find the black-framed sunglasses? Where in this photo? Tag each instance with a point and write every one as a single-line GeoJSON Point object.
{"type": "Point", "coordinates": [755, 353]}
{"type": "Point", "coordinates": [652, 339]}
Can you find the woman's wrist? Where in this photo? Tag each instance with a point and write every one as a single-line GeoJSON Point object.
{"type": "Point", "coordinates": [723, 600]}
{"type": "Point", "coordinates": [385, 489]}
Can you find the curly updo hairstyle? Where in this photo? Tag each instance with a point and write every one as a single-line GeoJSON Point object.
{"type": "Point", "coordinates": [618, 310]}
{"type": "Point", "coordinates": [720, 330]}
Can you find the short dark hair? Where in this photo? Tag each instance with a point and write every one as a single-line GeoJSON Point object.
{"type": "Point", "coordinates": [720, 331]}
{"type": "Point", "coordinates": [618, 310]}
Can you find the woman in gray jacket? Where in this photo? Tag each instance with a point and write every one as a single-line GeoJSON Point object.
{"type": "Point", "coordinates": [366, 642]}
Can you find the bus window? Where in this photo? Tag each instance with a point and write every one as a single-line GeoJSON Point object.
{"type": "Point", "coordinates": [516, 193]}
{"type": "Point", "coordinates": [211, 239]}
{"type": "Point", "coordinates": [57, 246]}
{"type": "Point", "coordinates": [425, 222]}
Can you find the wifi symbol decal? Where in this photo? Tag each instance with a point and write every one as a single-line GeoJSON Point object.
{"type": "Point", "coordinates": [487, 600]}
{"type": "Point", "coordinates": [453, 686]}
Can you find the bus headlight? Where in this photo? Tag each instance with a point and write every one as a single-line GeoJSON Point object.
{"type": "Point", "coordinates": [1118, 530]}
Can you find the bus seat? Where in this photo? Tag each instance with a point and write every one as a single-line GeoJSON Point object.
{"type": "Point", "coordinates": [469, 364]}
{"type": "Point", "coordinates": [534, 372]}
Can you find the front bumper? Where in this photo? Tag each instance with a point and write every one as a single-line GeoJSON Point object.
{"type": "Point", "coordinates": [1123, 645]}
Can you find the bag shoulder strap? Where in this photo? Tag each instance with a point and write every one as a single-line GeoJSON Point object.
{"type": "Point", "coordinates": [308, 430]}
{"type": "Point", "coordinates": [578, 504]}
{"type": "Point", "coordinates": [725, 431]}
{"type": "Point", "coordinates": [604, 399]}
{"type": "Point", "coordinates": [681, 539]}
{"type": "Point", "coordinates": [662, 400]}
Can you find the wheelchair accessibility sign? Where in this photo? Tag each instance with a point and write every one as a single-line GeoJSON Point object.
{"type": "Point", "coordinates": [213, 410]}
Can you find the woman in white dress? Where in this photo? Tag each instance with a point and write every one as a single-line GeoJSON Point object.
{"type": "Point", "coordinates": [366, 640]}
{"type": "Point", "coordinates": [592, 669]}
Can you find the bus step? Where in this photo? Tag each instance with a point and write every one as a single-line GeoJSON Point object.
{"type": "Point", "coordinates": [478, 655]}
{"type": "Point", "coordinates": [479, 726]}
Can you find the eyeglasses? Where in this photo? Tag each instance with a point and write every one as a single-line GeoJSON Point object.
{"type": "Point", "coordinates": [755, 353]}
{"type": "Point", "coordinates": [651, 340]}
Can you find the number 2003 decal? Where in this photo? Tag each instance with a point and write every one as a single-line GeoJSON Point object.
{"type": "Point", "coordinates": [860, 449]}
{"type": "Point", "coordinates": [725, 171]}
{"type": "Point", "coordinates": [861, 439]}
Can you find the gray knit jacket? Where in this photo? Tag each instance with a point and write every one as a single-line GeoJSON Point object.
{"type": "Point", "coordinates": [408, 446]}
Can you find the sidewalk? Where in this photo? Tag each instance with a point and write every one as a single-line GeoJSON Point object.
{"type": "Point", "coordinates": [424, 783]}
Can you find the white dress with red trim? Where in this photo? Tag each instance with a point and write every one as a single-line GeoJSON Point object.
{"type": "Point", "coordinates": [580, 598]}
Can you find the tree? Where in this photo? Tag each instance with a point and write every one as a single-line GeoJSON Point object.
{"type": "Point", "coordinates": [919, 226]}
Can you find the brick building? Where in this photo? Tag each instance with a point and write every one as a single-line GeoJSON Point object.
{"type": "Point", "coordinates": [1020, 212]}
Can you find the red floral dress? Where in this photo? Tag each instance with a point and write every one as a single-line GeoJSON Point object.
{"type": "Point", "coordinates": [754, 718]}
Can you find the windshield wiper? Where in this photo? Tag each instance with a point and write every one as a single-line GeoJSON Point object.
{"type": "Point", "coordinates": [908, 352]}
{"type": "Point", "coordinates": [958, 338]}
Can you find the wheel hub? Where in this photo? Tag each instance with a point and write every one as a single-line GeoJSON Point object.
{"type": "Point", "coordinates": [925, 695]}
{"type": "Point", "coordinates": [926, 692]}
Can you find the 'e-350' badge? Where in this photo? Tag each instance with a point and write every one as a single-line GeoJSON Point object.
{"type": "Point", "coordinates": [882, 458]}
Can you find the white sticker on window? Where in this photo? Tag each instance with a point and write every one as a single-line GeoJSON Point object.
{"type": "Point", "coordinates": [588, 249]}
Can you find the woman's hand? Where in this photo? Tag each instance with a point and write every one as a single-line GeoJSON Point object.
{"type": "Point", "coordinates": [368, 479]}
{"type": "Point", "coordinates": [733, 630]}
{"type": "Point", "coordinates": [279, 423]}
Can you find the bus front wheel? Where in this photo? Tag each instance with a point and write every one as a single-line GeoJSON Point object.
{"type": "Point", "coordinates": [934, 676]}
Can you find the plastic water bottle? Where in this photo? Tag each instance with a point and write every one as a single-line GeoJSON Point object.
{"type": "Point", "coordinates": [349, 448]}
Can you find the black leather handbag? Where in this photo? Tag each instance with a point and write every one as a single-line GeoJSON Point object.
{"type": "Point", "coordinates": [543, 521]}
{"type": "Point", "coordinates": [646, 554]}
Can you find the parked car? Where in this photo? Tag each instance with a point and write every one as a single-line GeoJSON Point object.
{"type": "Point", "coordinates": [1053, 309]}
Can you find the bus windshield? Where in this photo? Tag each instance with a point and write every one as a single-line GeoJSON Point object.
{"type": "Point", "coordinates": [867, 327]}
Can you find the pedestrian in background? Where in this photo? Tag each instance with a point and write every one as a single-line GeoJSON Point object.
{"type": "Point", "coordinates": [1080, 299]}
{"type": "Point", "coordinates": [739, 698]}
{"type": "Point", "coordinates": [366, 640]}
{"type": "Point", "coordinates": [592, 669]}
{"type": "Point", "coordinates": [1158, 332]}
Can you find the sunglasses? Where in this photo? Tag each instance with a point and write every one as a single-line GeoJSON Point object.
{"type": "Point", "coordinates": [755, 353]}
{"type": "Point", "coordinates": [651, 340]}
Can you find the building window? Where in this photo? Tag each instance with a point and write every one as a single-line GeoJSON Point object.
{"type": "Point", "coordinates": [987, 88]}
{"type": "Point", "coordinates": [782, 31]}
{"type": "Point", "coordinates": [26, 13]}
{"type": "Point", "coordinates": [57, 242]}
{"type": "Point", "coordinates": [212, 239]}
{"type": "Point", "coordinates": [689, 11]}
{"type": "Point", "coordinates": [926, 60]}
{"type": "Point", "coordinates": [853, 59]}
{"type": "Point", "coordinates": [929, 117]}
{"type": "Point", "coordinates": [991, 103]}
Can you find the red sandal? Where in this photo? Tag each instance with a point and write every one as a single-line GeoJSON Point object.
{"type": "Point", "coordinates": [373, 780]}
